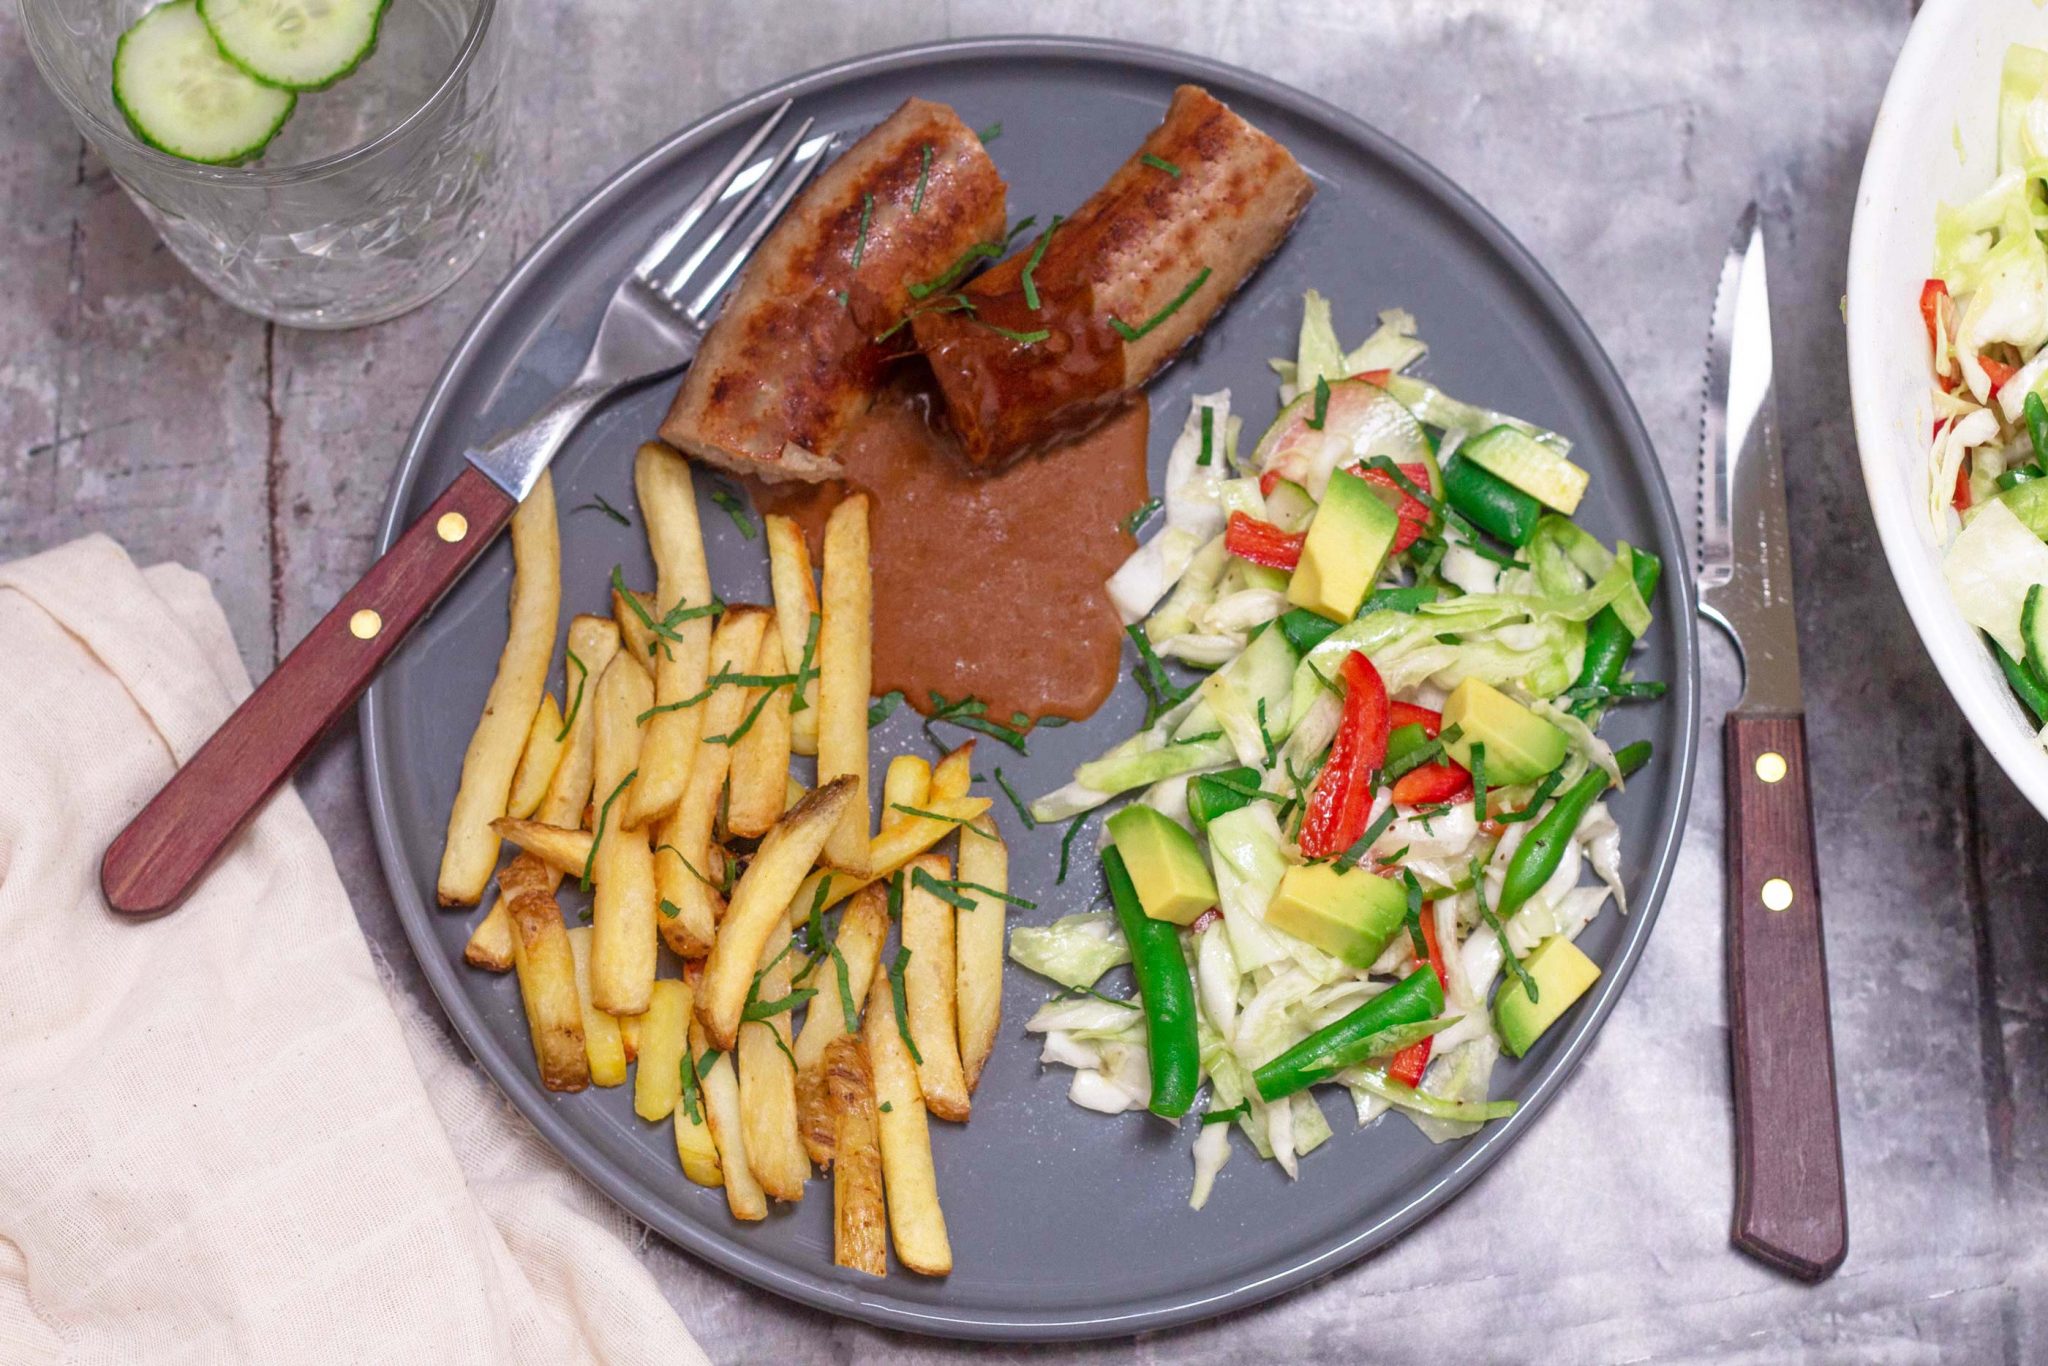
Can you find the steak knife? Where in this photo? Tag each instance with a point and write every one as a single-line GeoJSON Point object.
{"type": "Point", "coordinates": [1790, 1206]}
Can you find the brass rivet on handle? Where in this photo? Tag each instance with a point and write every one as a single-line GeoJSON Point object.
{"type": "Point", "coordinates": [1777, 894]}
{"type": "Point", "coordinates": [365, 625]}
{"type": "Point", "coordinates": [452, 527]}
{"type": "Point", "coordinates": [1770, 766]}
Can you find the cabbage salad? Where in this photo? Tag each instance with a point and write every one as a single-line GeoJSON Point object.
{"type": "Point", "coordinates": [1353, 849]}
{"type": "Point", "coordinates": [1986, 313]}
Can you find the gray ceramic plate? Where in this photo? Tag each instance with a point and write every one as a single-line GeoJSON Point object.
{"type": "Point", "coordinates": [1057, 1214]}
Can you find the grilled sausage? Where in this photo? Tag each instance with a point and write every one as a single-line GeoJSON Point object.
{"type": "Point", "coordinates": [1132, 277]}
{"type": "Point", "coordinates": [792, 358]}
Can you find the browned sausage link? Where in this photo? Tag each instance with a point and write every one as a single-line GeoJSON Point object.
{"type": "Point", "coordinates": [1205, 192]}
{"type": "Point", "coordinates": [791, 359]}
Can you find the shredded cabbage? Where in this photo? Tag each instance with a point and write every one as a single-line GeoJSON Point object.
{"type": "Point", "coordinates": [1074, 950]}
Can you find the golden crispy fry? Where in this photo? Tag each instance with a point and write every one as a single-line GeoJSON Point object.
{"type": "Point", "coordinates": [594, 642]}
{"type": "Point", "coordinates": [768, 1083]}
{"type": "Point", "coordinates": [668, 504]}
{"type": "Point", "coordinates": [471, 851]}
{"type": "Point", "coordinates": [928, 981]}
{"type": "Point", "coordinates": [636, 629]}
{"type": "Point", "coordinates": [893, 848]}
{"type": "Point", "coordinates": [623, 942]}
{"type": "Point", "coordinates": [601, 1039]}
{"type": "Point", "coordinates": [664, 1034]}
{"type": "Point", "coordinates": [760, 902]}
{"type": "Point", "coordinates": [952, 774]}
{"type": "Point", "coordinates": [567, 852]}
{"type": "Point", "coordinates": [629, 1032]}
{"type": "Point", "coordinates": [907, 782]}
{"type": "Point", "coordinates": [860, 1237]}
{"type": "Point", "coordinates": [547, 988]}
{"type": "Point", "coordinates": [793, 792]}
{"type": "Point", "coordinates": [909, 1178]}
{"type": "Point", "coordinates": [796, 604]}
{"type": "Point", "coordinates": [490, 943]}
{"type": "Point", "coordinates": [760, 761]}
{"type": "Point", "coordinates": [846, 664]}
{"type": "Point", "coordinates": [685, 836]}
{"type": "Point", "coordinates": [544, 743]}
{"type": "Point", "coordinates": [721, 1100]}
{"type": "Point", "coordinates": [978, 945]}
{"type": "Point", "coordinates": [862, 931]}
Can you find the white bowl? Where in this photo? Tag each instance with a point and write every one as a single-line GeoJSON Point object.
{"type": "Point", "coordinates": [1943, 97]}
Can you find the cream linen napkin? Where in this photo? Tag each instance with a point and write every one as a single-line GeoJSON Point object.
{"type": "Point", "coordinates": [218, 1139]}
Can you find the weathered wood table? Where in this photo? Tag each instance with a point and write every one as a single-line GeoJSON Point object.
{"type": "Point", "coordinates": [1619, 140]}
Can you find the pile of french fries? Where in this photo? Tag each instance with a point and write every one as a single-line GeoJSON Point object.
{"type": "Point", "coordinates": [775, 1042]}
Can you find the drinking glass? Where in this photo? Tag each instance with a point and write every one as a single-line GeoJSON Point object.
{"type": "Point", "coordinates": [378, 193]}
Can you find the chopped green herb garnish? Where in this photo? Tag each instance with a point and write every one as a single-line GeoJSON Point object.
{"type": "Point", "coordinates": [991, 133]}
{"type": "Point", "coordinates": [582, 677]}
{"type": "Point", "coordinates": [886, 1108]}
{"type": "Point", "coordinates": [1541, 795]}
{"type": "Point", "coordinates": [1161, 164]}
{"type": "Point", "coordinates": [971, 713]}
{"type": "Point", "coordinates": [1131, 334]}
{"type": "Point", "coordinates": [1161, 695]}
{"type": "Point", "coordinates": [1027, 279]}
{"type": "Point", "coordinates": [735, 509]}
{"type": "Point", "coordinates": [902, 1008]}
{"type": "Point", "coordinates": [693, 873]}
{"type": "Point", "coordinates": [882, 707]}
{"type": "Point", "coordinates": [807, 668]}
{"type": "Point", "coordinates": [724, 678]}
{"type": "Point", "coordinates": [1238, 1111]}
{"type": "Point", "coordinates": [739, 732]}
{"type": "Point", "coordinates": [919, 811]}
{"type": "Point", "coordinates": [665, 629]}
{"type": "Point", "coordinates": [954, 892]}
{"type": "Point", "coordinates": [956, 303]}
{"type": "Point", "coordinates": [860, 243]}
{"type": "Point", "coordinates": [687, 1066]}
{"type": "Point", "coordinates": [1208, 436]}
{"type": "Point", "coordinates": [1596, 692]}
{"type": "Point", "coordinates": [953, 274]}
{"type": "Point", "coordinates": [1202, 739]}
{"type": "Point", "coordinates": [1067, 844]}
{"type": "Point", "coordinates": [1424, 753]}
{"type": "Point", "coordinates": [924, 172]}
{"type": "Point", "coordinates": [669, 909]}
{"type": "Point", "coordinates": [852, 1012]}
{"type": "Point", "coordinates": [597, 503]}
{"type": "Point", "coordinates": [1140, 515]}
{"type": "Point", "coordinates": [1353, 856]}
{"type": "Point", "coordinates": [1415, 939]}
{"type": "Point", "coordinates": [1507, 952]}
{"type": "Point", "coordinates": [896, 895]}
{"type": "Point", "coordinates": [1478, 756]}
{"type": "Point", "coordinates": [1399, 599]}
{"type": "Point", "coordinates": [1322, 404]}
{"type": "Point", "coordinates": [603, 814]}
{"type": "Point", "coordinates": [1265, 736]}
{"type": "Point", "coordinates": [814, 922]}
{"type": "Point", "coordinates": [1023, 811]}
{"type": "Point", "coordinates": [1076, 993]}
{"type": "Point", "coordinates": [758, 1010]}
{"type": "Point", "coordinates": [1021, 338]}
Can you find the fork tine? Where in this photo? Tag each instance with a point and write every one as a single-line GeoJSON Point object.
{"type": "Point", "coordinates": [658, 251]}
{"type": "Point", "coordinates": [702, 303]}
{"type": "Point", "coordinates": [674, 284]}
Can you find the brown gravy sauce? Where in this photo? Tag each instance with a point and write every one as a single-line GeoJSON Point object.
{"type": "Point", "coordinates": [988, 585]}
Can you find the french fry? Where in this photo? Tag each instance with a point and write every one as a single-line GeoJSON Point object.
{"type": "Point", "coordinates": [952, 775]}
{"type": "Point", "coordinates": [567, 852]}
{"type": "Point", "coordinates": [908, 1176]}
{"type": "Point", "coordinates": [793, 792]}
{"type": "Point", "coordinates": [860, 1237]}
{"type": "Point", "coordinates": [760, 902]}
{"type": "Point", "coordinates": [760, 761]}
{"type": "Point", "coordinates": [629, 1032]}
{"type": "Point", "coordinates": [664, 1035]}
{"type": "Point", "coordinates": [891, 850]}
{"type": "Point", "coordinates": [544, 743]}
{"type": "Point", "coordinates": [928, 982]}
{"type": "Point", "coordinates": [601, 1041]}
{"type": "Point", "coordinates": [846, 672]}
{"type": "Point", "coordinates": [685, 835]}
{"type": "Point", "coordinates": [862, 931]}
{"type": "Point", "coordinates": [547, 989]}
{"type": "Point", "coordinates": [636, 629]}
{"type": "Point", "coordinates": [978, 945]}
{"type": "Point", "coordinates": [668, 505]}
{"type": "Point", "coordinates": [796, 606]}
{"type": "Point", "coordinates": [471, 851]}
{"type": "Point", "coordinates": [907, 782]}
{"type": "Point", "coordinates": [721, 1099]}
{"type": "Point", "coordinates": [593, 644]}
{"type": "Point", "coordinates": [695, 1148]}
{"type": "Point", "coordinates": [623, 938]}
{"type": "Point", "coordinates": [490, 943]}
{"type": "Point", "coordinates": [768, 1083]}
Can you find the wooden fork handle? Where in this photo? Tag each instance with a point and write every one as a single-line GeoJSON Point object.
{"type": "Point", "coordinates": [1790, 1208]}
{"type": "Point", "coordinates": [153, 863]}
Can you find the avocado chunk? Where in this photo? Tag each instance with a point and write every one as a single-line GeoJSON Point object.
{"type": "Point", "coordinates": [1347, 543]}
{"type": "Point", "coordinates": [1212, 794]}
{"type": "Point", "coordinates": [1516, 458]}
{"type": "Point", "coordinates": [1352, 914]}
{"type": "Point", "coordinates": [1172, 877]}
{"type": "Point", "coordinates": [1561, 974]}
{"type": "Point", "coordinates": [1520, 745]}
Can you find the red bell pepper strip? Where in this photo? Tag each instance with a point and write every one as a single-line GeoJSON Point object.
{"type": "Point", "coordinates": [1962, 498]}
{"type": "Point", "coordinates": [1379, 377]}
{"type": "Point", "coordinates": [1412, 512]}
{"type": "Point", "coordinates": [1998, 372]}
{"type": "Point", "coordinates": [1342, 801]}
{"type": "Point", "coordinates": [1248, 538]}
{"type": "Point", "coordinates": [1401, 714]}
{"type": "Point", "coordinates": [1270, 480]}
{"type": "Point", "coordinates": [1429, 784]}
{"type": "Point", "coordinates": [1409, 1064]}
{"type": "Point", "coordinates": [1933, 295]}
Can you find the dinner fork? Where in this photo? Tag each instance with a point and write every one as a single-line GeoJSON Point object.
{"type": "Point", "coordinates": [653, 325]}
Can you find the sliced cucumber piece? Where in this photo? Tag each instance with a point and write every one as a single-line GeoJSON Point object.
{"type": "Point", "coordinates": [1535, 469]}
{"type": "Point", "coordinates": [2034, 631]}
{"type": "Point", "coordinates": [182, 97]}
{"type": "Point", "coordinates": [296, 44]}
{"type": "Point", "coordinates": [1361, 421]}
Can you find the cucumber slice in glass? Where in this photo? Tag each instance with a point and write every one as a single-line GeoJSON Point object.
{"type": "Point", "coordinates": [182, 97]}
{"type": "Point", "coordinates": [295, 44]}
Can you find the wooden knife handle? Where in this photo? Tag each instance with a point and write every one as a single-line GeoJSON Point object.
{"type": "Point", "coordinates": [153, 863]}
{"type": "Point", "coordinates": [1790, 1208]}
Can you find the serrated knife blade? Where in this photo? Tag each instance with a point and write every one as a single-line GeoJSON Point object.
{"type": "Point", "coordinates": [1790, 1207]}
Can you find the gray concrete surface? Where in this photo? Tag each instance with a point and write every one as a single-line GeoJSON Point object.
{"type": "Point", "coordinates": [1619, 140]}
